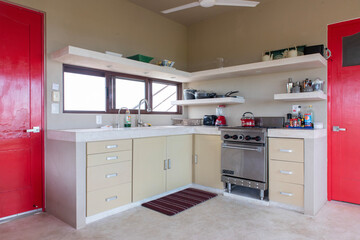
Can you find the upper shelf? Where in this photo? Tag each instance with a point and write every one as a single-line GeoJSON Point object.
{"type": "Point", "coordinates": [210, 101]}
{"type": "Point", "coordinates": [87, 58]}
{"type": "Point", "coordinates": [302, 96]}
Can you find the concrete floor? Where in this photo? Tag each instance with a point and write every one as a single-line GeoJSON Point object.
{"type": "Point", "coordinates": [218, 218]}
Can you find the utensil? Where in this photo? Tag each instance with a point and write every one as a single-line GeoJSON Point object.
{"type": "Point", "coordinates": [248, 120]}
{"type": "Point", "coordinates": [228, 94]}
{"type": "Point", "coordinates": [189, 94]}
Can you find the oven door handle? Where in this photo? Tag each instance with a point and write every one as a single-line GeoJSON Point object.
{"type": "Point", "coordinates": [258, 149]}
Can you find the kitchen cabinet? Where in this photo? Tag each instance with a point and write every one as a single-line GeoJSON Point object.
{"type": "Point", "coordinates": [161, 164]}
{"type": "Point", "coordinates": [207, 161]}
{"type": "Point", "coordinates": [286, 171]}
{"type": "Point", "coordinates": [109, 175]}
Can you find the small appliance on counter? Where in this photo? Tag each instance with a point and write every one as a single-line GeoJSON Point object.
{"type": "Point", "coordinates": [221, 120]}
{"type": "Point", "coordinates": [209, 120]}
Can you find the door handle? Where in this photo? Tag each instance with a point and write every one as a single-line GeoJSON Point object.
{"type": "Point", "coordinates": [165, 164]}
{"type": "Point", "coordinates": [33, 130]}
{"type": "Point", "coordinates": [169, 163]}
{"type": "Point", "coordinates": [196, 158]}
{"type": "Point", "coordinates": [338, 129]}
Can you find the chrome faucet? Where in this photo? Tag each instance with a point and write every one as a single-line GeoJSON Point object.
{"type": "Point", "coordinates": [118, 116]}
{"type": "Point", "coordinates": [139, 122]}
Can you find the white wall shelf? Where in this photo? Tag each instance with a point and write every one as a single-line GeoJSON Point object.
{"type": "Point", "coordinates": [92, 59]}
{"type": "Point", "coordinates": [303, 96]}
{"type": "Point", "coordinates": [97, 60]}
{"type": "Point", "coordinates": [210, 101]}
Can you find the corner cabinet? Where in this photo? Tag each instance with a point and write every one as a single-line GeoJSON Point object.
{"type": "Point", "coordinates": [207, 161]}
{"type": "Point", "coordinates": [161, 164]}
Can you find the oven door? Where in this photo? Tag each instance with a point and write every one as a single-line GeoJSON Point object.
{"type": "Point", "coordinates": [246, 161]}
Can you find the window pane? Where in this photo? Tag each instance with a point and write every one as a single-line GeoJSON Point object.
{"type": "Point", "coordinates": [128, 93]}
{"type": "Point", "coordinates": [84, 92]}
{"type": "Point", "coordinates": [163, 94]}
{"type": "Point", "coordinates": [351, 50]}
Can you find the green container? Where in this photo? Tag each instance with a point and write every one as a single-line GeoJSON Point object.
{"type": "Point", "coordinates": [141, 58]}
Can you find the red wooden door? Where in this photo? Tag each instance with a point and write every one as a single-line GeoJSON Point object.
{"type": "Point", "coordinates": [344, 111]}
{"type": "Point", "coordinates": [21, 108]}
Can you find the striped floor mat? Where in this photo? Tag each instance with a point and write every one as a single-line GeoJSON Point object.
{"type": "Point", "coordinates": [177, 202]}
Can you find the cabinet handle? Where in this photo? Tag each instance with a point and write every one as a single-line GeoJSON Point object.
{"type": "Point", "coordinates": [165, 164]}
{"type": "Point", "coordinates": [169, 163]}
{"type": "Point", "coordinates": [111, 146]}
{"type": "Point", "coordinates": [110, 198]}
{"type": "Point", "coordinates": [286, 150]}
{"type": "Point", "coordinates": [111, 175]}
{"type": "Point", "coordinates": [286, 194]}
{"type": "Point", "coordinates": [112, 158]}
{"type": "Point", "coordinates": [196, 158]}
{"type": "Point", "coordinates": [286, 172]}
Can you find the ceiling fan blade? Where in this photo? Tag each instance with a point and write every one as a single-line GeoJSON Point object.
{"type": "Point", "coordinates": [186, 6]}
{"type": "Point", "coordinates": [236, 3]}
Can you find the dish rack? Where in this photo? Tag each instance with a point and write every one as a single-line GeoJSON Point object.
{"type": "Point", "coordinates": [187, 121]}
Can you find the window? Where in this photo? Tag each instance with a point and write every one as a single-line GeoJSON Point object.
{"type": "Point", "coordinates": [89, 90]}
{"type": "Point", "coordinates": [84, 92]}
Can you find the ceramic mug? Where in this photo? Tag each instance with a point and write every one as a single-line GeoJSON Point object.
{"type": "Point", "coordinates": [292, 53]}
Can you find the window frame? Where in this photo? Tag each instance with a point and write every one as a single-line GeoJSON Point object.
{"type": "Point", "coordinates": [110, 82]}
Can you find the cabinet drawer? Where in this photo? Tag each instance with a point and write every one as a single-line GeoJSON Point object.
{"type": "Point", "coordinates": [108, 146]}
{"type": "Point", "coordinates": [104, 176]}
{"type": "Point", "coordinates": [107, 158]}
{"type": "Point", "coordinates": [108, 198]}
{"type": "Point", "coordinates": [290, 172]}
{"type": "Point", "coordinates": [286, 149]}
{"type": "Point", "coordinates": [288, 193]}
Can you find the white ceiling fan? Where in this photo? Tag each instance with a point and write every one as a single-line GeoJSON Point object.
{"type": "Point", "coordinates": [211, 3]}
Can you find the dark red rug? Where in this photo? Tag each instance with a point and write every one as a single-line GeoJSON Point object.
{"type": "Point", "coordinates": [177, 202]}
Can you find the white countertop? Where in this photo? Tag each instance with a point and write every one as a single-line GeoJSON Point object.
{"type": "Point", "coordinates": [97, 134]}
{"type": "Point", "coordinates": [297, 133]}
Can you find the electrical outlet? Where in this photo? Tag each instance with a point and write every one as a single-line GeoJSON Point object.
{"type": "Point", "coordinates": [55, 96]}
{"type": "Point", "coordinates": [98, 119]}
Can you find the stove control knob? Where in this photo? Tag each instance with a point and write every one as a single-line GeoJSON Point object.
{"type": "Point", "coordinates": [257, 138]}
{"type": "Point", "coordinates": [235, 137]}
{"type": "Point", "coordinates": [226, 136]}
{"type": "Point", "coordinates": [241, 137]}
{"type": "Point", "coordinates": [247, 138]}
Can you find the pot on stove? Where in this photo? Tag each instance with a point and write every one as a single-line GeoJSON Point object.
{"type": "Point", "coordinates": [248, 120]}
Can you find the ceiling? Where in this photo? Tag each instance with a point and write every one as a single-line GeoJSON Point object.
{"type": "Point", "coordinates": [186, 17]}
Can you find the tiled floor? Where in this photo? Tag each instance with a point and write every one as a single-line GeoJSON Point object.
{"type": "Point", "coordinates": [218, 218]}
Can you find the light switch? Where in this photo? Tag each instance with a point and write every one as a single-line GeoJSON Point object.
{"type": "Point", "coordinates": [55, 86]}
{"type": "Point", "coordinates": [55, 96]}
{"type": "Point", "coordinates": [55, 108]}
{"type": "Point", "coordinates": [98, 119]}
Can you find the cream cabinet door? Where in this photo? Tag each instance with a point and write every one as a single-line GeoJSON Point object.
{"type": "Point", "coordinates": [179, 155]}
{"type": "Point", "coordinates": [207, 164]}
{"type": "Point", "coordinates": [149, 156]}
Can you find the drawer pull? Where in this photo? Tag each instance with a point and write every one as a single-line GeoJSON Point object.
{"type": "Point", "coordinates": [110, 199]}
{"type": "Point", "coordinates": [111, 175]}
{"type": "Point", "coordinates": [286, 194]}
{"type": "Point", "coordinates": [286, 172]}
{"type": "Point", "coordinates": [112, 158]}
{"type": "Point", "coordinates": [286, 150]}
{"type": "Point", "coordinates": [111, 146]}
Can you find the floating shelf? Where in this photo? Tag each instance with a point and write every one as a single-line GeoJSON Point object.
{"type": "Point", "coordinates": [210, 101]}
{"type": "Point", "coordinates": [92, 59]}
{"type": "Point", "coordinates": [303, 96]}
{"type": "Point", "coordinates": [97, 60]}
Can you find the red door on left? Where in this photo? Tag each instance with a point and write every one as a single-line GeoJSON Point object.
{"type": "Point", "coordinates": [21, 109]}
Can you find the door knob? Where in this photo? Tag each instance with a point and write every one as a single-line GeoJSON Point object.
{"type": "Point", "coordinates": [338, 129]}
{"type": "Point", "coordinates": [33, 130]}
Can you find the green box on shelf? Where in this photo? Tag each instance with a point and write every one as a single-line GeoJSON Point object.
{"type": "Point", "coordinates": [141, 58]}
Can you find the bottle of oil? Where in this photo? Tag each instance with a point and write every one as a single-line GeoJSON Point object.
{"type": "Point", "coordinates": [309, 117]}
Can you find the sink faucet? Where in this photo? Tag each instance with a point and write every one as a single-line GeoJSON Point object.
{"type": "Point", "coordinates": [118, 117]}
{"type": "Point", "coordinates": [139, 122]}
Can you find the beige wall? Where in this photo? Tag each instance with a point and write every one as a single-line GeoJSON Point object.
{"type": "Point", "coordinates": [107, 25]}
{"type": "Point", "coordinates": [241, 36]}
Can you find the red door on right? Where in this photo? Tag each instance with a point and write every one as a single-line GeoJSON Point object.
{"type": "Point", "coordinates": [344, 111]}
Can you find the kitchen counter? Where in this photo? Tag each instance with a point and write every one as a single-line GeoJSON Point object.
{"type": "Point", "coordinates": [297, 133]}
{"type": "Point", "coordinates": [98, 134]}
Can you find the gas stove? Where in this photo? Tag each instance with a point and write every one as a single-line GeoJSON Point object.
{"type": "Point", "coordinates": [244, 135]}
